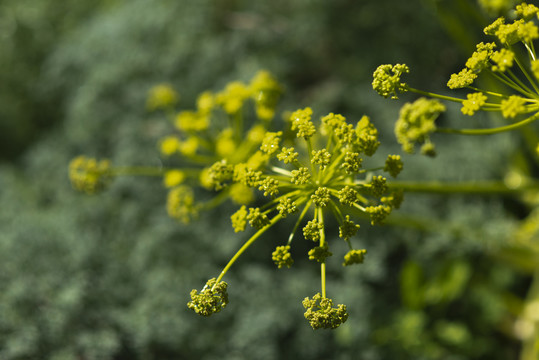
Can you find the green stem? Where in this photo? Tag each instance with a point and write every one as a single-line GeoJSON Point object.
{"type": "Point", "coordinates": [490, 131]}
{"type": "Point", "coordinates": [138, 170]}
{"type": "Point", "coordinates": [433, 95]}
{"type": "Point", "coordinates": [301, 216]}
{"type": "Point", "coordinates": [485, 91]}
{"type": "Point", "coordinates": [509, 82]}
{"type": "Point", "coordinates": [322, 243]}
{"type": "Point", "coordinates": [475, 187]}
{"type": "Point", "coordinates": [249, 242]}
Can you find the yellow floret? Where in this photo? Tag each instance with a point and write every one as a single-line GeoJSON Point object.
{"type": "Point", "coordinates": [233, 96]}
{"type": "Point", "coordinates": [169, 145]}
{"type": "Point", "coordinates": [161, 96]}
{"type": "Point", "coordinates": [241, 194]}
{"type": "Point", "coordinates": [173, 178]}
{"type": "Point", "coordinates": [205, 102]}
{"type": "Point", "coordinates": [513, 106]}
{"type": "Point", "coordinates": [473, 103]}
{"type": "Point", "coordinates": [464, 78]}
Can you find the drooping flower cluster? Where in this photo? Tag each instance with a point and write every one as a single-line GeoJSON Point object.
{"type": "Point", "coordinates": [501, 59]}
{"type": "Point", "coordinates": [324, 178]}
{"type": "Point", "coordinates": [211, 299]}
{"type": "Point", "coordinates": [322, 315]}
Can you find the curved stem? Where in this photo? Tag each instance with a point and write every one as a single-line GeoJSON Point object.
{"type": "Point", "coordinates": [490, 131]}
{"type": "Point", "coordinates": [246, 245]}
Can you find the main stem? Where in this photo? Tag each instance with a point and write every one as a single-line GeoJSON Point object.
{"type": "Point", "coordinates": [322, 243]}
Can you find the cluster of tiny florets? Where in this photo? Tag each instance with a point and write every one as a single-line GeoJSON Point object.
{"type": "Point", "coordinates": [354, 257]}
{"type": "Point", "coordinates": [257, 219]}
{"type": "Point", "coordinates": [181, 204]}
{"type": "Point", "coordinates": [312, 168]}
{"type": "Point", "coordinates": [393, 165]}
{"type": "Point", "coordinates": [416, 123]}
{"type": "Point", "coordinates": [211, 299]}
{"type": "Point", "coordinates": [88, 174]}
{"type": "Point", "coordinates": [322, 315]}
{"type": "Point", "coordinates": [387, 80]}
{"type": "Point", "coordinates": [282, 257]}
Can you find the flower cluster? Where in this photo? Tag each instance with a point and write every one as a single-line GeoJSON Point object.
{"type": "Point", "coordinates": [324, 178]}
{"type": "Point", "coordinates": [211, 299]}
{"type": "Point", "coordinates": [201, 147]}
{"type": "Point", "coordinates": [314, 170]}
{"type": "Point", "coordinates": [88, 174]}
{"type": "Point", "coordinates": [501, 59]}
{"type": "Point", "coordinates": [322, 315]}
{"type": "Point", "coordinates": [387, 80]}
{"type": "Point", "coordinates": [416, 123]}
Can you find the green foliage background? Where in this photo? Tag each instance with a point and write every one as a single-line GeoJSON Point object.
{"type": "Point", "coordinates": [108, 276]}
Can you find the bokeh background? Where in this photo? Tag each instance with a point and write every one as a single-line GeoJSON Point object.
{"type": "Point", "coordinates": [108, 276]}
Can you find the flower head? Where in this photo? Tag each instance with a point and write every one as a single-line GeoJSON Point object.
{"type": "Point", "coordinates": [513, 106]}
{"type": "Point", "coordinates": [416, 122]}
{"type": "Point", "coordinates": [502, 59]}
{"type": "Point", "coordinates": [211, 299]}
{"type": "Point", "coordinates": [393, 165]}
{"type": "Point", "coordinates": [161, 96]}
{"type": "Point", "coordinates": [464, 78]}
{"type": "Point", "coordinates": [387, 80]}
{"type": "Point", "coordinates": [239, 219]}
{"type": "Point", "coordinates": [473, 103]}
{"type": "Point", "coordinates": [348, 228]}
{"type": "Point", "coordinates": [282, 257]}
{"type": "Point", "coordinates": [526, 11]}
{"type": "Point", "coordinates": [88, 174]}
{"type": "Point", "coordinates": [181, 204]}
{"type": "Point", "coordinates": [480, 58]}
{"type": "Point", "coordinates": [265, 91]}
{"type": "Point", "coordinates": [354, 257]}
{"type": "Point", "coordinates": [322, 315]}
{"type": "Point", "coordinates": [319, 253]}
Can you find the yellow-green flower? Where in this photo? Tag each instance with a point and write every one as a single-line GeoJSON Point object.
{"type": "Point", "coordinates": [473, 103]}
{"type": "Point", "coordinates": [173, 178]}
{"type": "Point", "coordinates": [513, 106]}
{"type": "Point", "coordinates": [464, 78]}
{"type": "Point", "coordinates": [161, 96]}
{"type": "Point", "coordinates": [88, 174]}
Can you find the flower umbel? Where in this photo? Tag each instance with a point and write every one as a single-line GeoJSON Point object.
{"type": "Point", "coordinates": [322, 315]}
{"type": "Point", "coordinates": [88, 174]}
{"type": "Point", "coordinates": [416, 122]}
{"type": "Point", "coordinates": [387, 80]}
{"type": "Point", "coordinates": [211, 299]}
{"type": "Point", "coordinates": [321, 172]}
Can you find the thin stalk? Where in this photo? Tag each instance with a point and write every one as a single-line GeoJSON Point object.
{"type": "Point", "coordinates": [475, 187]}
{"type": "Point", "coordinates": [300, 219]}
{"type": "Point", "coordinates": [433, 95]}
{"type": "Point", "coordinates": [490, 131]}
{"type": "Point", "coordinates": [249, 242]}
{"type": "Point", "coordinates": [138, 171]}
{"type": "Point", "coordinates": [322, 243]}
